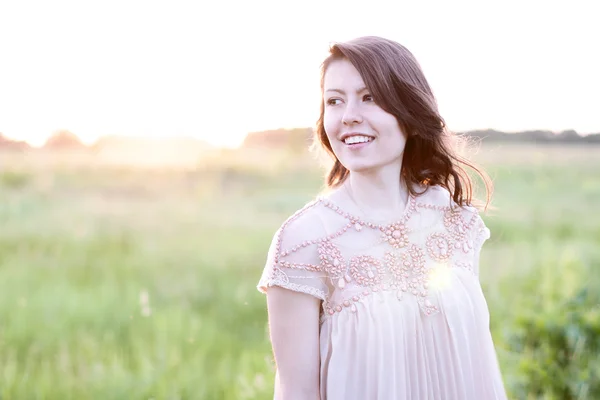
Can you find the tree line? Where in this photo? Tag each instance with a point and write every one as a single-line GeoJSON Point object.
{"type": "Point", "coordinates": [302, 138]}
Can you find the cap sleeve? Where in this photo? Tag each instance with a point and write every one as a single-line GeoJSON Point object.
{"type": "Point", "coordinates": [478, 235]}
{"type": "Point", "coordinates": [293, 260]}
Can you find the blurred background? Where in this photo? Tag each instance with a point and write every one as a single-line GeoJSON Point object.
{"type": "Point", "coordinates": [149, 151]}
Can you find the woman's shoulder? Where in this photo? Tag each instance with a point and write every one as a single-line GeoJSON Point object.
{"type": "Point", "coordinates": [304, 224]}
{"type": "Point", "coordinates": [463, 222]}
{"type": "Point", "coordinates": [439, 198]}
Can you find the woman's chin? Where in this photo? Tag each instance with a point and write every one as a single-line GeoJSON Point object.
{"type": "Point", "coordinates": [361, 167]}
{"type": "Point", "coordinates": [364, 166]}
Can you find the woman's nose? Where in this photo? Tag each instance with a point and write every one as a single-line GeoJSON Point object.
{"type": "Point", "coordinates": [351, 115]}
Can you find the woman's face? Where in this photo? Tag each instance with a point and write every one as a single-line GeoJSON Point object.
{"type": "Point", "coordinates": [362, 135]}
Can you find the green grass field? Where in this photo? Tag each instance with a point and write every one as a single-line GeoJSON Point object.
{"type": "Point", "coordinates": [139, 283]}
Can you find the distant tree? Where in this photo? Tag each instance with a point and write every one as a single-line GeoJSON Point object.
{"type": "Point", "coordinates": [9, 144]}
{"type": "Point", "coordinates": [63, 139]}
{"type": "Point", "coordinates": [592, 138]}
{"type": "Point", "coordinates": [568, 136]}
{"type": "Point", "coordinates": [298, 139]}
{"type": "Point", "coordinates": [488, 135]}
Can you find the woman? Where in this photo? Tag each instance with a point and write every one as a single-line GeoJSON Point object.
{"type": "Point", "coordinates": [373, 288]}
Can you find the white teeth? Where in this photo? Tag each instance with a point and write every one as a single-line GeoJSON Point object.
{"type": "Point", "coordinates": [357, 139]}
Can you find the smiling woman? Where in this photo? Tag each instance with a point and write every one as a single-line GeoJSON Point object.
{"type": "Point", "coordinates": [373, 287]}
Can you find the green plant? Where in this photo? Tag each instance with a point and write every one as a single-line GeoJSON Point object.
{"type": "Point", "coordinates": [560, 348]}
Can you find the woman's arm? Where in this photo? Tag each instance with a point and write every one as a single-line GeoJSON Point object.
{"type": "Point", "coordinates": [294, 332]}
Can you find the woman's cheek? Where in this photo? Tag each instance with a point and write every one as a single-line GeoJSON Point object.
{"type": "Point", "coordinates": [330, 129]}
{"type": "Point", "coordinates": [330, 124]}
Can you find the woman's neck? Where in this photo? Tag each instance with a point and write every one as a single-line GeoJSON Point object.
{"type": "Point", "coordinates": [380, 195]}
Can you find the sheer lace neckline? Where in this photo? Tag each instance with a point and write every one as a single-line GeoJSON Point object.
{"type": "Point", "coordinates": [401, 219]}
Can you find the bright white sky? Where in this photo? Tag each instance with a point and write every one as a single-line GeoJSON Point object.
{"type": "Point", "coordinates": [217, 69]}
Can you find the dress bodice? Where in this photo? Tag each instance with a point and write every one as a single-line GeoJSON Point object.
{"type": "Point", "coordinates": [342, 258]}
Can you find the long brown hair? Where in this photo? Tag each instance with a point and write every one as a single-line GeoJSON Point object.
{"type": "Point", "coordinates": [398, 85]}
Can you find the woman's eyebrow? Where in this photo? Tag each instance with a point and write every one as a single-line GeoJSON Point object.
{"type": "Point", "coordinates": [362, 89]}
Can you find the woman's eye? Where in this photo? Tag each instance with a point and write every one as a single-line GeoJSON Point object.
{"type": "Point", "coordinates": [367, 97]}
{"type": "Point", "coordinates": [333, 102]}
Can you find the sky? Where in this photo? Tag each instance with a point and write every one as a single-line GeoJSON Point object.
{"type": "Point", "coordinates": [216, 70]}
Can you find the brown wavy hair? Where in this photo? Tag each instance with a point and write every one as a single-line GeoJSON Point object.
{"type": "Point", "coordinates": [398, 85]}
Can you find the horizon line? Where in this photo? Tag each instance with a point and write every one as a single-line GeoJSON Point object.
{"type": "Point", "coordinates": [161, 138]}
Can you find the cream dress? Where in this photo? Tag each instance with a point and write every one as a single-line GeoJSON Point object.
{"type": "Point", "coordinates": [403, 314]}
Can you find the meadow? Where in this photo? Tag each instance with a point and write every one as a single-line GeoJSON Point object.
{"type": "Point", "coordinates": [138, 282]}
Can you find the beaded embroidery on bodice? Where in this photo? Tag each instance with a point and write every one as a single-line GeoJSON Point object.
{"type": "Point", "coordinates": [342, 258]}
